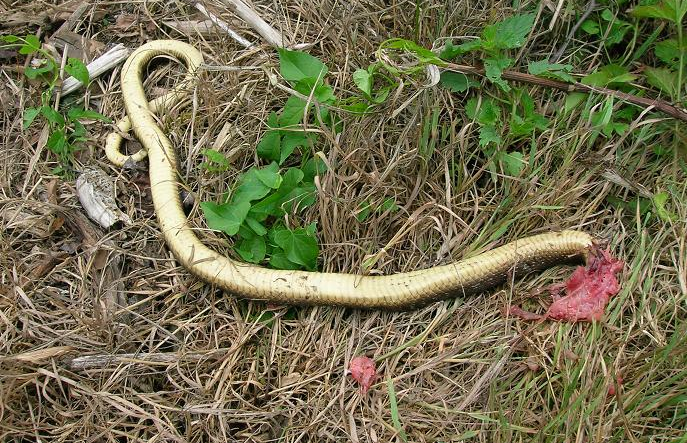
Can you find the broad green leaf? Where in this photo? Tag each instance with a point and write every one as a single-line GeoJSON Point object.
{"type": "Point", "coordinates": [668, 51]}
{"type": "Point", "coordinates": [250, 188]}
{"type": "Point", "coordinates": [320, 92]}
{"type": "Point", "coordinates": [293, 112]}
{"type": "Point", "coordinates": [513, 163]}
{"type": "Point", "coordinates": [269, 147]}
{"type": "Point", "coordinates": [86, 114]}
{"type": "Point", "coordinates": [456, 81]}
{"type": "Point", "coordinates": [609, 75]}
{"type": "Point", "coordinates": [292, 140]}
{"type": "Point", "coordinates": [450, 51]}
{"type": "Point", "coordinates": [555, 71]}
{"type": "Point", "coordinates": [664, 79]}
{"type": "Point", "coordinates": [573, 100]}
{"type": "Point", "coordinates": [274, 204]}
{"type": "Point", "coordinates": [77, 69]}
{"type": "Point", "coordinates": [255, 226]}
{"type": "Point", "coordinates": [279, 260]}
{"type": "Point", "coordinates": [297, 65]}
{"type": "Point", "coordinates": [47, 67]}
{"type": "Point", "coordinates": [57, 142]}
{"type": "Point", "coordinates": [29, 116]}
{"type": "Point", "coordinates": [269, 175]}
{"type": "Point", "coordinates": [9, 38]}
{"type": "Point", "coordinates": [216, 161]}
{"type": "Point", "coordinates": [508, 34]}
{"type": "Point", "coordinates": [226, 217]}
{"type": "Point", "coordinates": [52, 116]}
{"type": "Point", "coordinates": [299, 245]}
{"type": "Point", "coordinates": [314, 166]}
{"type": "Point", "coordinates": [31, 45]}
{"type": "Point", "coordinates": [488, 134]}
{"type": "Point", "coordinates": [618, 28]}
{"type": "Point", "coordinates": [488, 113]}
{"type": "Point", "coordinates": [363, 80]}
{"type": "Point", "coordinates": [252, 250]}
{"type": "Point", "coordinates": [591, 27]}
{"type": "Point", "coordinates": [423, 55]}
{"type": "Point", "coordinates": [494, 67]}
{"type": "Point", "coordinates": [389, 204]}
{"type": "Point", "coordinates": [671, 10]}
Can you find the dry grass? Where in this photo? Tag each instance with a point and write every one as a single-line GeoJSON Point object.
{"type": "Point", "coordinates": [190, 363]}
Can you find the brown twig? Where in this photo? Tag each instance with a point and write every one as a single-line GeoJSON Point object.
{"type": "Point", "coordinates": [661, 105]}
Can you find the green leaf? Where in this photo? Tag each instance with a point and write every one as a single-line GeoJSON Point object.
{"type": "Point", "coordinates": [508, 34]}
{"type": "Point", "coordinates": [555, 71]}
{"type": "Point", "coordinates": [394, 410]}
{"type": "Point", "coordinates": [513, 163]}
{"type": "Point", "coordinates": [250, 188]}
{"type": "Point", "coordinates": [47, 67]}
{"type": "Point", "coordinates": [296, 65]}
{"type": "Point", "coordinates": [54, 117]}
{"type": "Point", "coordinates": [255, 226]}
{"type": "Point", "coordinates": [269, 146]}
{"type": "Point", "coordinates": [291, 141]}
{"type": "Point", "coordinates": [671, 10]}
{"type": "Point", "coordinates": [293, 112]}
{"type": "Point", "coordinates": [269, 175]}
{"type": "Point", "coordinates": [314, 166]}
{"type": "Point", "coordinates": [488, 113]}
{"type": "Point", "coordinates": [320, 92]}
{"type": "Point", "coordinates": [226, 217]}
{"type": "Point", "coordinates": [86, 114]}
{"type": "Point", "coordinates": [494, 67]}
{"type": "Point", "coordinates": [389, 204]}
{"type": "Point", "coordinates": [609, 75]}
{"type": "Point", "coordinates": [488, 134]}
{"type": "Point", "coordinates": [364, 211]}
{"type": "Point", "coordinates": [216, 161]}
{"type": "Point", "coordinates": [664, 79]}
{"type": "Point", "coordinates": [77, 69]}
{"type": "Point", "coordinates": [252, 250]}
{"type": "Point", "coordinates": [450, 51]}
{"type": "Point", "coordinates": [9, 38]}
{"type": "Point", "coordinates": [572, 100]}
{"type": "Point", "coordinates": [31, 45]}
{"type": "Point", "coordinates": [299, 245]}
{"type": "Point", "coordinates": [659, 200]}
{"type": "Point", "coordinates": [279, 260]}
{"type": "Point", "coordinates": [288, 194]}
{"type": "Point", "coordinates": [591, 27]}
{"type": "Point", "coordinates": [668, 51]}
{"type": "Point", "coordinates": [57, 143]}
{"type": "Point", "coordinates": [29, 116]}
{"type": "Point", "coordinates": [456, 81]}
{"type": "Point", "coordinates": [424, 55]}
{"type": "Point", "coordinates": [363, 80]}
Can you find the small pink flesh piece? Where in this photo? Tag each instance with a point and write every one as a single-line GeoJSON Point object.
{"type": "Point", "coordinates": [362, 369]}
{"type": "Point", "coordinates": [587, 291]}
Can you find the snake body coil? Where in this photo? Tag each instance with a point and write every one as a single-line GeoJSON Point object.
{"type": "Point", "coordinates": [398, 291]}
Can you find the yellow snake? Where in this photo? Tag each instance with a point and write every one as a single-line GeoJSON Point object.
{"type": "Point", "coordinates": [397, 291]}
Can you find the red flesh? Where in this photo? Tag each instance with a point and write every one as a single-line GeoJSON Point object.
{"type": "Point", "coordinates": [362, 369]}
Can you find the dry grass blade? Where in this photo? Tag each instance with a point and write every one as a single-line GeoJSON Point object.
{"type": "Point", "coordinates": [103, 337]}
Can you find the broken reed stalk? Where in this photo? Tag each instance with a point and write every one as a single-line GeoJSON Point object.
{"type": "Point", "coordinates": [661, 105]}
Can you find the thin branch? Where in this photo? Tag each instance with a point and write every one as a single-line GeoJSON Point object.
{"type": "Point", "coordinates": [661, 105]}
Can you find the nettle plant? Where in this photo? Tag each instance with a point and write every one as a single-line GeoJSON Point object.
{"type": "Point", "coordinates": [256, 212]}
{"type": "Point", "coordinates": [66, 128]}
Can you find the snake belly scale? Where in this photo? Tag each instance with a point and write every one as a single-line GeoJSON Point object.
{"type": "Point", "coordinates": [394, 292]}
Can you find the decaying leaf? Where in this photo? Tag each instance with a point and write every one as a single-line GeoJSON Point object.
{"type": "Point", "coordinates": [96, 191]}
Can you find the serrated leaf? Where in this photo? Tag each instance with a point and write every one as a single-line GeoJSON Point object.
{"type": "Point", "coordinates": [29, 116]}
{"type": "Point", "coordinates": [494, 67]}
{"type": "Point", "coordinates": [508, 34]}
{"type": "Point", "coordinates": [668, 51]}
{"type": "Point", "coordinates": [226, 217]}
{"type": "Point", "coordinates": [513, 163]}
{"type": "Point", "coordinates": [57, 142]}
{"type": "Point", "coordinates": [456, 81]}
{"type": "Point", "coordinates": [77, 69]}
{"type": "Point", "coordinates": [450, 51]}
{"type": "Point", "coordinates": [664, 79]}
{"type": "Point", "coordinates": [555, 71]}
{"type": "Point", "coordinates": [488, 134]}
{"type": "Point", "coordinates": [609, 75]}
{"type": "Point", "coordinates": [297, 65]}
{"type": "Point", "coordinates": [671, 10]}
{"type": "Point", "coordinates": [363, 80]}
{"type": "Point", "coordinates": [299, 246]}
